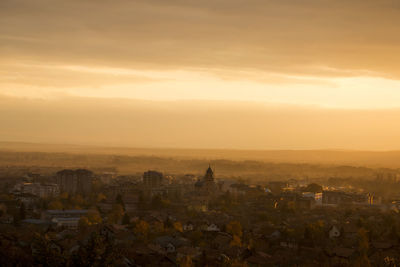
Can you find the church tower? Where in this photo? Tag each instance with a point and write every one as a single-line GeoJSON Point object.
{"type": "Point", "coordinates": [207, 185]}
{"type": "Point", "coordinates": [209, 177]}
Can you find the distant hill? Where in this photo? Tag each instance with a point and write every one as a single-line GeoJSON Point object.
{"type": "Point", "coordinates": [380, 159]}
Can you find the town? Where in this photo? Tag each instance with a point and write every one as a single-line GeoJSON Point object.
{"type": "Point", "coordinates": [101, 218]}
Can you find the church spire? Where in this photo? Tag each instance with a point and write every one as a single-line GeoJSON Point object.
{"type": "Point", "coordinates": [209, 174]}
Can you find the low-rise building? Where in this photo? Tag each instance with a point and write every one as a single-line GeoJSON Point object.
{"type": "Point", "coordinates": [64, 218]}
{"type": "Point", "coordinates": [37, 189]}
{"type": "Point", "coordinates": [51, 214]}
{"type": "Point", "coordinates": [69, 223]}
{"type": "Point", "coordinates": [316, 196]}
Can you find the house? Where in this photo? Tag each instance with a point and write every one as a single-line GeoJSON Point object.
{"type": "Point", "coordinates": [212, 228]}
{"type": "Point", "coordinates": [222, 240]}
{"type": "Point", "coordinates": [275, 235]}
{"type": "Point", "coordinates": [28, 199]}
{"type": "Point", "coordinates": [341, 252]}
{"type": "Point", "coordinates": [350, 231]}
{"type": "Point", "coordinates": [64, 218]}
{"type": "Point", "coordinates": [288, 244]}
{"type": "Point", "coordinates": [169, 243]}
{"type": "Point", "coordinates": [382, 245]}
{"type": "Point", "coordinates": [50, 214]}
{"type": "Point", "coordinates": [188, 227]}
{"type": "Point", "coordinates": [170, 248]}
{"type": "Point", "coordinates": [69, 223]}
{"type": "Point", "coordinates": [258, 259]}
{"type": "Point", "coordinates": [7, 218]}
{"type": "Point", "coordinates": [334, 232]}
{"type": "Point", "coordinates": [192, 252]}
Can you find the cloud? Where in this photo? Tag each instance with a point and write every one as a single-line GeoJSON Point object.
{"type": "Point", "coordinates": [291, 37]}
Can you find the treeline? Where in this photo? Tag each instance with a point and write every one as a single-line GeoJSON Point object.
{"type": "Point", "coordinates": [223, 168]}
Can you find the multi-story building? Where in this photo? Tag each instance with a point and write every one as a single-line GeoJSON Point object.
{"type": "Point", "coordinates": [75, 181]}
{"type": "Point", "coordinates": [37, 189]}
{"type": "Point", "coordinates": [153, 179]}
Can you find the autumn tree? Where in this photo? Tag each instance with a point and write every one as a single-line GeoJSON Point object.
{"type": "Point", "coordinates": [94, 216]}
{"type": "Point", "coordinates": [100, 197]}
{"type": "Point", "coordinates": [126, 219]}
{"type": "Point", "coordinates": [235, 229]}
{"type": "Point", "coordinates": [22, 211]}
{"type": "Point", "coordinates": [141, 229]}
{"type": "Point", "coordinates": [116, 214]}
{"type": "Point", "coordinates": [98, 250]}
{"type": "Point", "coordinates": [156, 202]}
{"type": "Point", "coordinates": [46, 252]}
{"type": "Point", "coordinates": [363, 247]}
{"type": "Point", "coordinates": [3, 209]}
{"type": "Point", "coordinates": [315, 188]}
{"type": "Point", "coordinates": [178, 226]}
{"type": "Point", "coordinates": [55, 205]}
{"type": "Point", "coordinates": [120, 201]}
{"type": "Point", "coordinates": [186, 261]}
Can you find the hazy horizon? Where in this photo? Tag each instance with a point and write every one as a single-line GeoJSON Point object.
{"type": "Point", "coordinates": [195, 124]}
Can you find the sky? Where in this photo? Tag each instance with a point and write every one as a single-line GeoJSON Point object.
{"type": "Point", "coordinates": [337, 57]}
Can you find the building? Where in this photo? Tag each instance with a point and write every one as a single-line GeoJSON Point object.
{"type": "Point", "coordinates": [51, 214]}
{"type": "Point", "coordinates": [75, 181]}
{"type": "Point", "coordinates": [207, 185]}
{"type": "Point", "coordinates": [37, 189]}
{"type": "Point", "coordinates": [335, 197]}
{"type": "Point", "coordinates": [153, 179]}
{"type": "Point", "coordinates": [69, 223]}
{"type": "Point", "coordinates": [334, 232]}
{"type": "Point", "coordinates": [64, 218]}
{"type": "Point", "coordinates": [316, 196]}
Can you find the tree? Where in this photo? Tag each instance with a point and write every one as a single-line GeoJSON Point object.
{"type": "Point", "coordinates": [100, 197]}
{"type": "Point", "coordinates": [116, 214]}
{"type": "Point", "coordinates": [64, 196]}
{"type": "Point", "coordinates": [315, 188]}
{"type": "Point", "coordinates": [3, 209]}
{"type": "Point", "coordinates": [94, 216]}
{"type": "Point", "coordinates": [236, 241]}
{"type": "Point", "coordinates": [308, 236]}
{"type": "Point", "coordinates": [120, 201]}
{"type": "Point", "coordinates": [46, 252]}
{"type": "Point", "coordinates": [141, 229]}
{"type": "Point", "coordinates": [126, 219]}
{"type": "Point", "coordinates": [178, 226]}
{"type": "Point", "coordinates": [158, 227]}
{"type": "Point", "coordinates": [168, 223]}
{"type": "Point", "coordinates": [78, 201]}
{"type": "Point", "coordinates": [142, 201]}
{"type": "Point", "coordinates": [99, 250]}
{"type": "Point", "coordinates": [55, 205]}
{"type": "Point", "coordinates": [363, 242]}
{"type": "Point", "coordinates": [363, 247]}
{"type": "Point", "coordinates": [156, 202]}
{"type": "Point", "coordinates": [196, 237]}
{"type": "Point", "coordinates": [22, 211]}
{"type": "Point", "coordinates": [83, 223]}
{"type": "Point", "coordinates": [186, 261]}
{"type": "Point", "coordinates": [234, 228]}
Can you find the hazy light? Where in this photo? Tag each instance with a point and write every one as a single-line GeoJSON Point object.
{"type": "Point", "coordinates": [348, 92]}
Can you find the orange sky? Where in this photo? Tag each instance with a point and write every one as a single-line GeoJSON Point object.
{"type": "Point", "coordinates": [325, 54]}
